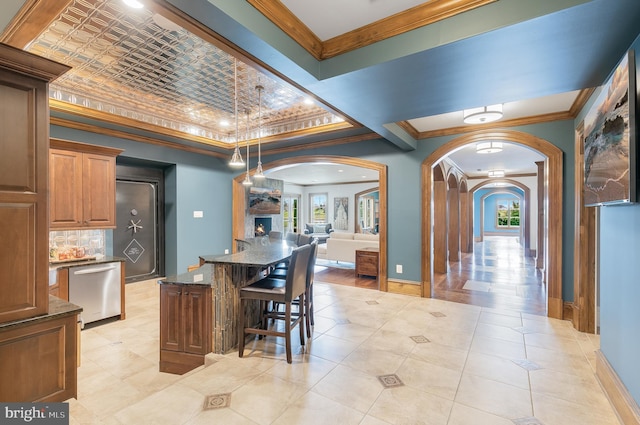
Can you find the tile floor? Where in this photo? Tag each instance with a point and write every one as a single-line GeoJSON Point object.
{"type": "Point", "coordinates": [375, 358]}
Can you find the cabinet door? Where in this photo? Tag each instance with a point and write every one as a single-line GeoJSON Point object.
{"type": "Point", "coordinates": [197, 316]}
{"type": "Point", "coordinates": [65, 189]}
{"type": "Point", "coordinates": [171, 333]}
{"type": "Point", "coordinates": [99, 191]}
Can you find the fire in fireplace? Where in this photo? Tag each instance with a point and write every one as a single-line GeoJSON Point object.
{"type": "Point", "coordinates": [262, 226]}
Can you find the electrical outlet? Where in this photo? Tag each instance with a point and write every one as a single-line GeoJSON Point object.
{"type": "Point", "coordinates": [226, 251]}
{"type": "Point", "coordinates": [198, 214]}
{"type": "Point", "coordinates": [399, 268]}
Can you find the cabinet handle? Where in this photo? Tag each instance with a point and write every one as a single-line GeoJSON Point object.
{"type": "Point", "coordinates": [186, 293]}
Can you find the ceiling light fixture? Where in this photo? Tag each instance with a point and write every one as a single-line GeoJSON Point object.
{"type": "Point", "coordinates": [496, 173]}
{"type": "Point", "coordinates": [247, 177]}
{"type": "Point", "coordinates": [236, 158]}
{"type": "Point", "coordinates": [133, 3]}
{"type": "Point", "coordinates": [488, 147]}
{"type": "Point", "coordinates": [483, 114]}
{"type": "Point", "coordinates": [259, 174]}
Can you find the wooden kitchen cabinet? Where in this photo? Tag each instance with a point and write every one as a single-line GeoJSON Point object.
{"type": "Point", "coordinates": [82, 185]}
{"type": "Point", "coordinates": [367, 261]}
{"type": "Point", "coordinates": [185, 327]}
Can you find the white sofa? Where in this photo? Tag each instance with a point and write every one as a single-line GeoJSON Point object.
{"type": "Point", "coordinates": [343, 246]}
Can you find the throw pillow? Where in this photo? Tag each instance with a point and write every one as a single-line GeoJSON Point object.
{"type": "Point", "coordinates": [319, 228]}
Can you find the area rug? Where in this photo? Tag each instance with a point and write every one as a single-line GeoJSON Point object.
{"type": "Point", "coordinates": [335, 264]}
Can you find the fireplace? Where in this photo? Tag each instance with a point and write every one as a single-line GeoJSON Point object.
{"type": "Point", "coordinates": [262, 226]}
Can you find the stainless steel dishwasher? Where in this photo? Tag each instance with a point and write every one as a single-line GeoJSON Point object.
{"type": "Point", "coordinates": [96, 288]}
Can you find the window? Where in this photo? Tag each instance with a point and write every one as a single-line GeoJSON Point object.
{"type": "Point", "coordinates": [508, 214]}
{"type": "Point", "coordinates": [318, 208]}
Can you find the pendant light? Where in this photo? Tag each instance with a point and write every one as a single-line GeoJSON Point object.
{"type": "Point", "coordinates": [259, 174]}
{"type": "Point", "coordinates": [247, 177]}
{"type": "Point", "coordinates": [236, 158]}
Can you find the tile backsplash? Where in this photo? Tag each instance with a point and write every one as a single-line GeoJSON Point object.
{"type": "Point", "coordinates": [69, 244]}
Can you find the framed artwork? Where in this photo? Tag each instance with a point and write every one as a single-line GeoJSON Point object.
{"type": "Point", "coordinates": [610, 140]}
{"type": "Point", "coordinates": [341, 213]}
{"type": "Point", "coordinates": [263, 200]}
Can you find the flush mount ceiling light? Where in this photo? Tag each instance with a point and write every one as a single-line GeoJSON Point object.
{"type": "Point", "coordinates": [488, 147]}
{"type": "Point", "coordinates": [496, 173]}
{"type": "Point", "coordinates": [483, 114]}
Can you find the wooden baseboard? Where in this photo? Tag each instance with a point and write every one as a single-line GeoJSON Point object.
{"type": "Point", "coordinates": [567, 312]}
{"type": "Point", "coordinates": [404, 288]}
{"type": "Point", "coordinates": [623, 403]}
{"type": "Point", "coordinates": [555, 308]}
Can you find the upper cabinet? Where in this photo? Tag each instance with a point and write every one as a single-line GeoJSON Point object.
{"type": "Point", "coordinates": [82, 185]}
{"type": "Point", "coordinates": [24, 143]}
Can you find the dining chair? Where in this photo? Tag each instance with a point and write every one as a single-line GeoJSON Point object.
{"type": "Point", "coordinates": [280, 291]}
{"type": "Point", "coordinates": [275, 235]}
{"type": "Point", "coordinates": [307, 310]}
{"type": "Point", "coordinates": [304, 239]}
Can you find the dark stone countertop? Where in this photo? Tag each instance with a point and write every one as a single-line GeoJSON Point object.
{"type": "Point", "coordinates": [263, 253]}
{"type": "Point", "coordinates": [57, 308]}
{"type": "Point", "coordinates": [202, 276]}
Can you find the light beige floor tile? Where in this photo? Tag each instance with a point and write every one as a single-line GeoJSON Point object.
{"type": "Point", "coordinates": [406, 405]}
{"type": "Point", "coordinates": [498, 347]}
{"type": "Point", "coordinates": [499, 332]}
{"type": "Point", "coordinates": [394, 342]}
{"type": "Point", "coordinates": [441, 355]}
{"type": "Point", "coordinates": [583, 390]}
{"type": "Point", "coordinates": [219, 416]}
{"type": "Point", "coordinates": [502, 311]}
{"type": "Point", "coordinates": [173, 405]}
{"type": "Point", "coordinates": [500, 319]}
{"type": "Point", "coordinates": [374, 362]}
{"type": "Point", "coordinates": [430, 378]}
{"type": "Point", "coordinates": [306, 372]}
{"type": "Point", "coordinates": [351, 332]}
{"type": "Point", "coordinates": [498, 369]}
{"type": "Point", "coordinates": [370, 420]}
{"type": "Point", "coordinates": [465, 415]}
{"type": "Point", "coordinates": [350, 387]}
{"type": "Point", "coordinates": [553, 411]}
{"type": "Point", "coordinates": [265, 398]}
{"type": "Point", "coordinates": [451, 338]}
{"type": "Point", "coordinates": [560, 362]}
{"type": "Point", "coordinates": [331, 348]}
{"type": "Point", "coordinates": [315, 409]}
{"type": "Point", "coordinates": [110, 399]}
{"type": "Point", "coordinates": [554, 342]}
{"type": "Point", "coordinates": [494, 397]}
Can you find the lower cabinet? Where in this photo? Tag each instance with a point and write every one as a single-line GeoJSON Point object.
{"type": "Point", "coordinates": [39, 360]}
{"type": "Point", "coordinates": [185, 327]}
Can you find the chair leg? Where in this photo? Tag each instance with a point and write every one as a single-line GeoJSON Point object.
{"type": "Point", "coordinates": [287, 335]}
{"type": "Point", "coordinates": [307, 313]}
{"type": "Point", "coordinates": [302, 314]}
{"type": "Point", "coordinates": [241, 329]}
{"type": "Point", "coordinates": [313, 322]}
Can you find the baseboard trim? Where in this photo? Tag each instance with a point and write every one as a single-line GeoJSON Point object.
{"type": "Point", "coordinates": [567, 312]}
{"type": "Point", "coordinates": [623, 403]}
{"type": "Point", "coordinates": [404, 287]}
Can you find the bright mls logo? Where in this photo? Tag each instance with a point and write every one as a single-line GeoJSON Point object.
{"type": "Point", "coordinates": [34, 413]}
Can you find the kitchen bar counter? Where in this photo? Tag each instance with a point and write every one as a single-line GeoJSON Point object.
{"type": "Point", "coordinates": [84, 262]}
{"type": "Point", "coordinates": [185, 338]}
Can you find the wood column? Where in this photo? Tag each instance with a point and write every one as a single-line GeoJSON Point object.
{"type": "Point", "coordinates": [439, 221]}
{"type": "Point", "coordinates": [540, 248]}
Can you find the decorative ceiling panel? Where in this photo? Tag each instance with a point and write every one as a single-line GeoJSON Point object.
{"type": "Point", "coordinates": [136, 64]}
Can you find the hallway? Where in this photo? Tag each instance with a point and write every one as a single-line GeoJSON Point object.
{"type": "Point", "coordinates": [495, 275]}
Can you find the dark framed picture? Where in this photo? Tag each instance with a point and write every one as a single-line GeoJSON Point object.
{"type": "Point", "coordinates": [610, 139]}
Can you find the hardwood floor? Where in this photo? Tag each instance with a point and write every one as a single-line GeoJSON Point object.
{"type": "Point", "coordinates": [495, 275]}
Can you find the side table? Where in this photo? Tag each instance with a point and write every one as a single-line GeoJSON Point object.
{"type": "Point", "coordinates": [367, 262]}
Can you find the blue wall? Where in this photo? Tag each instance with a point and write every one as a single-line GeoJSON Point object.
{"type": "Point", "coordinates": [619, 236]}
{"type": "Point", "coordinates": [192, 182]}
{"type": "Point", "coordinates": [490, 210]}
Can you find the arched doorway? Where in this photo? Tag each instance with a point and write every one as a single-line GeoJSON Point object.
{"type": "Point", "coordinates": [239, 199]}
{"type": "Point", "coordinates": [553, 195]}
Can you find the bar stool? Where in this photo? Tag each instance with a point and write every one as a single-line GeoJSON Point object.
{"type": "Point", "coordinates": [269, 289]}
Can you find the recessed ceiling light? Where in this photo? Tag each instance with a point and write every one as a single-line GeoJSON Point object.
{"type": "Point", "coordinates": [224, 123]}
{"type": "Point", "coordinates": [341, 171]}
{"type": "Point", "coordinates": [308, 101]}
{"type": "Point", "coordinates": [133, 3]}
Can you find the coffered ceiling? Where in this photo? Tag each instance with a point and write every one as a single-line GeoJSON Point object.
{"type": "Point", "coordinates": [400, 70]}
